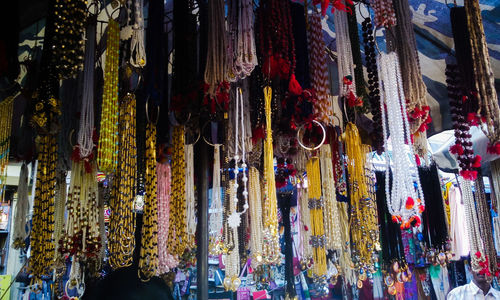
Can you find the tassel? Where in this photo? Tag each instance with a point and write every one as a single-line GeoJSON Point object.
{"type": "Point", "coordinates": [294, 86]}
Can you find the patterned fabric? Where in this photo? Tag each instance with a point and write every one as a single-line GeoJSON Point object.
{"type": "Point", "coordinates": [472, 292]}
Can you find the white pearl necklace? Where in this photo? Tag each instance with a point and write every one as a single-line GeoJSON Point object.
{"type": "Point", "coordinates": [345, 62]}
{"type": "Point", "coordinates": [215, 222]}
{"type": "Point", "coordinates": [235, 218]}
{"type": "Point", "coordinates": [395, 122]}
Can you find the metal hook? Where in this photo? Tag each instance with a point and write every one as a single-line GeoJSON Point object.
{"type": "Point", "coordinates": [157, 114]}
{"type": "Point", "coordinates": [451, 5]}
{"type": "Point", "coordinates": [203, 136]}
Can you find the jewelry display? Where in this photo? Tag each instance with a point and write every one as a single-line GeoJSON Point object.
{"type": "Point", "coordinates": [148, 255]}
{"type": "Point", "coordinates": [107, 158]}
{"type": "Point", "coordinates": [121, 238]}
{"type": "Point", "coordinates": [403, 200]}
{"type": "Point", "coordinates": [384, 13]}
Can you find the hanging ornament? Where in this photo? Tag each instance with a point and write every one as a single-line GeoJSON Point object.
{"type": "Point", "coordinates": [403, 200]}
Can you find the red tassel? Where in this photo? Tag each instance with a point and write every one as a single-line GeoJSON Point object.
{"type": "Point", "coordinates": [477, 161]}
{"type": "Point", "coordinates": [294, 86]}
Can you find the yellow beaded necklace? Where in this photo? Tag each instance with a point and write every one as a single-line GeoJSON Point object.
{"type": "Point", "coordinates": [363, 221]}
{"type": "Point", "coordinates": [177, 236]}
{"type": "Point", "coordinates": [148, 257]}
{"type": "Point", "coordinates": [121, 241]}
{"type": "Point", "coordinates": [42, 239]}
{"type": "Point", "coordinates": [271, 248]}
{"type": "Point", "coordinates": [108, 137]}
{"type": "Point", "coordinates": [316, 205]}
{"type": "Point", "coordinates": [6, 107]}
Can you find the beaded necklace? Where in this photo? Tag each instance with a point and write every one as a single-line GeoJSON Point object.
{"type": "Point", "coordinates": [121, 240]}
{"type": "Point", "coordinates": [232, 257]}
{"type": "Point", "coordinates": [463, 143]}
{"type": "Point", "coordinates": [41, 237]}
{"type": "Point", "coordinates": [166, 261]}
{"type": "Point", "coordinates": [363, 220]}
{"type": "Point", "coordinates": [107, 159]}
{"type": "Point", "coordinates": [415, 91]}
{"type": "Point", "coordinates": [67, 43]}
{"type": "Point", "coordinates": [148, 255]}
{"type": "Point", "coordinates": [485, 226]}
{"type": "Point", "coordinates": [403, 200]}
{"type": "Point", "coordinates": [81, 234]}
{"type": "Point", "coordinates": [332, 218]}
{"type": "Point", "coordinates": [256, 226]}
{"type": "Point", "coordinates": [242, 57]}
{"type": "Point", "coordinates": [177, 237]}
{"type": "Point", "coordinates": [190, 195]}
{"type": "Point", "coordinates": [384, 13]}
{"type": "Point", "coordinates": [216, 210]}
{"type": "Point", "coordinates": [22, 210]}
{"type": "Point", "coordinates": [373, 85]}
{"type": "Point", "coordinates": [316, 205]}
{"type": "Point", "coordinates": [86, 128]}
{"type": "Point", "coordinates": [318, 69]}
{"type": "Point", "coordinates": [483, 75]}
{"type": "Point", "coordinates": [347, 83]}
{"type": "Point", "coordinates": [6, 109]}
{"type": "Point", "coordinates": [271, 248]}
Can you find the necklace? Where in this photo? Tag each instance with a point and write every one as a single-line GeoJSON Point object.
{"type": "Point", "coordinates": [41, 237]}
{"type": "Point", "coordinates": [148, 255]}
{"type": "Point", "coordinates": [271, 248]}
{"type": "Point", "coordinates": [403, 200]}
{"type": "Point", "coordinates": [384, 13]}
{"type": "Point", "coordinates": [316, 204]}
{"type": "Point", "coordinates": [347, 84]}
{"type": "Point", "coordinates": [190, 196]}
{"type": "Point", "coordinates": [165, 260]}
{"type": "Point", "coordinates": [256, 226]}
{"type": "Point", "coordinates": [107, 157]}
{"type": "Point", "coordinates": [483, 75]}
{"type": "Point", "coordinates": [177, 234]}
{"type": "Point", "coordinates": [137, 49]}
{"type": "Point", "coordinates": [363, 221]}
{"type": "Point", "coordinates": [86, 128]}
{"type": "Point", "coordinates": [318, 69]}
{"type": "Point", "coordinates": [216, 67]}
{"type": "Point", "coordinates": [232, 257]}
{"type": "Point", "coordinates": [332, 218]}
{"type": "Point", "coordinates": [121, 240]}
{"type": "Point", "coordinates": [235, 218]}
{"type": "Point", "coordinates": [216, 210]}
{"type": "Point", "coordinates": [414, 87]}
{"type": "Point", "coordinates": [22, 209]}
{"type": "Point", "coordinates": [6, 109]}
{"type": "Point", "coordinates": [242, 58]}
